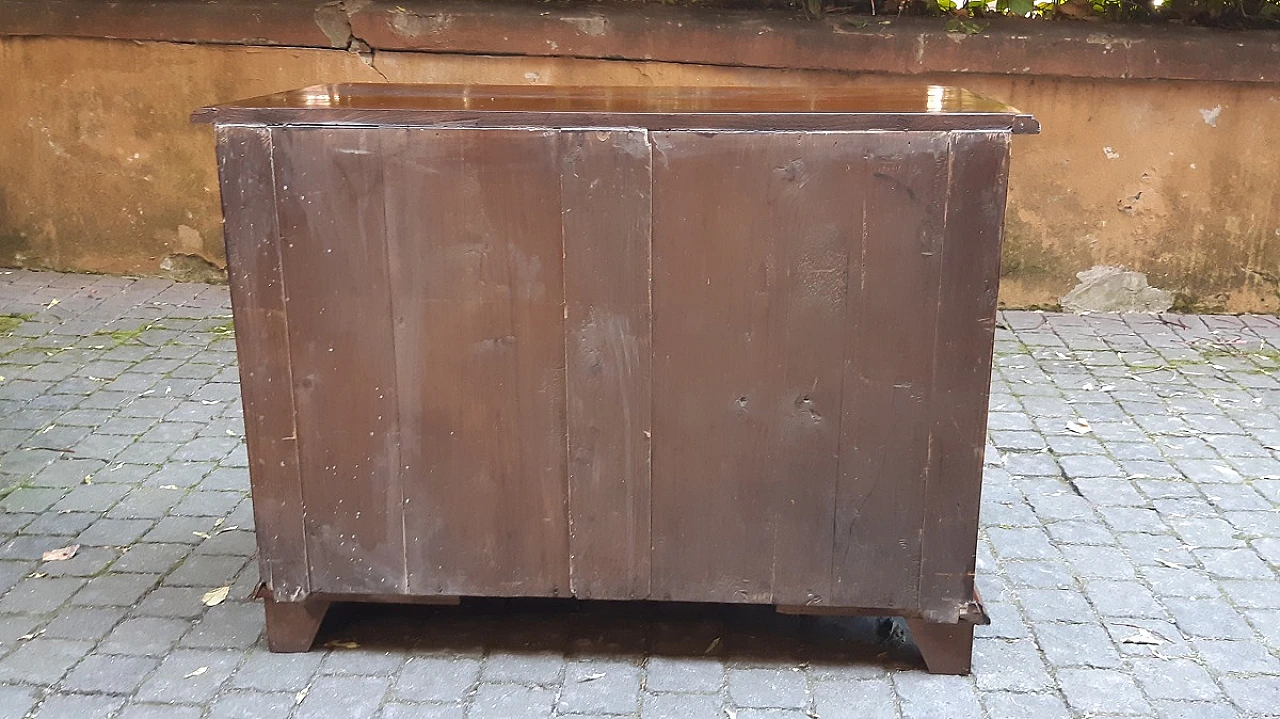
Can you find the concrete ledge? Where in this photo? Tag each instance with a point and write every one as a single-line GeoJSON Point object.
{"type": "Point", "coordinates": [766, 39]}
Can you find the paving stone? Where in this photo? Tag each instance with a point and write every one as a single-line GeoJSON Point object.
{"type": "Point", "coordinates": [768, 688]}
{"type": "Point", "coordinates": [1009, 665]}
{"type": "Point", "coordinates": [90, 623]}
{"type": "Point", "coordinates": [251, 705]}
{"type": "Point", "coordinates": [684, 674]}
{"type": "Point", "coordinates": [437, 679]}
{"type": "Point", "coordinates": [229, 625]}
{"type": "Point", "coordinates": [1022, 543]}
{"type": "Point", "coordinates": [42, 660]}
{"type": "Point", "coordinates": [865, 699]}
{"type": "Point", "coordinates": [208, 503]}
{"type": "Point", "coordinates": [173, 603]}
{"type": "Point", "coordinates": [600, 687]}
{"type": "Point", "coordinates": [144, 636]}
{"type": "Point", "coordinates": [192, 676]}
{"type": "Point", "coordinates": [1101, 691]}
{"type": "Point", "coordinates": [1196, 710]}
{"type": "Point", "coordinates": [31, 499]}
{"type": "Point", "coordinates": [1099, 562]}
{"type": "Point", "coordinates": [15, 702]}
{"type": "Point", "coordinates": [1206, 531]}
{"type": "Point", "coordinates": [1234, 563]}
{"type": "Point", "coordinates": [114, 532]}
{"type": "Point", "coordinates": [1009, 705]}
{"type": "Point", "coordinates": [115, 590]}
{"type": "Point", "coordinates": [926, 696]}
{"type": "Point", "coordinates": [774, 714]}
{"type": "Point", "coordinates": [77, 706]}
{"type": "Point", "coordinates": [150, 558]}
{"type": "Point", "coordinates": [13, 627]}
{"type": "Point", "coordinates": [101, 674]}
{"type": "Point", "coordinates": [1175, 679]}
{"type": "Point", "coordinates": [1056, 605]}
{"type": "Point", "coordinates": [160, 711]}
{"type": "Point", "coordinates": [1078, 645]}
{"type": "Point", "coordinates": [343, 697]}
{"type": "Point", "coordinates": [501, 701]}
{"type": "Point", "coordinates": [179, 530]}
{"type": "Point", "coordinates": [535, 668]}
{"type": "Point", "coordinates": [205, 571]}
{"type": "Point", "coordinates": [40, 595]}
{"type": "Point", "coordinates": [1122, 599]}
{"type": "Point", "coordinates": [265, 671]}
{"type": "Point", "coordinates": [1080, 532]}
{"type": "Point", "coordinates": [1208, 619]}
{"type": "Point", "coordinates": [361, 660]}
{"type": "Point", "coordinates": [1260, 695]}
{"type": "Point", "coordinates": [398, 710]}
{"type": "Point", "coordinates": [146, 503]}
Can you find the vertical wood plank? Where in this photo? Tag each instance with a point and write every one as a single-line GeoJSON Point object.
{"type": "Point", "coordinates": [750, 238]}
{"type": "Point", "coordinates": [605, 184]}
{"type": "Point", "coordinates": [475, 245]}
{"type": "Point", "coordinates": [262, 348]}
{"type": "Point", "coordinates": [888, 373]}
{"type": "Point", "coordinates": [331, 197]}
{"type": "Point", "coordinates": [966, 335]}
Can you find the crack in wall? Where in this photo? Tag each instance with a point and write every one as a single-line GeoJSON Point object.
{"type": "Point", "coordinates": [334, 20]}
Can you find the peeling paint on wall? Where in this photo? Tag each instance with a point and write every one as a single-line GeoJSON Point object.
{"type": "Point", "coordinates": [1211, 116]}
{"type": "Point", "coordinates": [1115, 289]}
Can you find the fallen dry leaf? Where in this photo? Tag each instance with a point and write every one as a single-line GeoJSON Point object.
{"type": "Point", "coordinates": [341, 644]}
{"type": "Point", "coordinates": [1079, 426]}
{"type": "Point", "coordinates": [1143, 637]}
{"type": "Point", "coordinates": [215, 597]}
{"type": "Point", "coordinates": [58, 555]}
{"type": "Point", "coordinates": [297, 698]}
{"type": "Point", "coordinates": [592, 677]}
{"type": "Point", "coordinates": [712, 646]}
{"type": "Point", "coordinates": [195, 673]}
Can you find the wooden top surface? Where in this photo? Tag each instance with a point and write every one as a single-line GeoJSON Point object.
{"type": "Point", "coordinates": [905, 107]}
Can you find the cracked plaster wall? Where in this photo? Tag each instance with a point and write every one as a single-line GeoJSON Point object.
{"type": "Point", "coordinates": [100, 170]}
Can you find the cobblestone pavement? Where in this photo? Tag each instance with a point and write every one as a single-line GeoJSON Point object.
{"type": "Point", "coordinates": [1129, 553]}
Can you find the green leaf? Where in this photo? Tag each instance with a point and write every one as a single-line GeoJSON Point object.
{"type": "Point", "coordinates": [1021, 8]}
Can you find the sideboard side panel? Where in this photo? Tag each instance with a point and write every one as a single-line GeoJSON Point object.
{"type": "Point", "coordinates": [474, 219]}
{"type": "Point", "coordinates": [606, 186]}
{"type": "Point", "coordinates": [966, 333]}
{"type": "Point", "coordinates": [262, 346]}
{"type": "Point", "coordinates": [329, 184]}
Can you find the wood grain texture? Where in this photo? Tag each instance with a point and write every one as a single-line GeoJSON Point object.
{"type": "Point", "coordinates": [606, 188]}
{"type": "Point", "coordinates": [946, 648]}
{"type": "Point", "coordinates": [329, 184]}
{"type": "Point", "coordinates": [292, 626]}
{"type": "Point", "coordinates": [962, 370]}
{"type": "Point", "coordinates": [262, 347]}
{"type": "Point", "coordinates": [750, 240]}
{"type": "Point", "coordinates": [888, 370]}
{"type": "Point", "coordinates": [475, 247]}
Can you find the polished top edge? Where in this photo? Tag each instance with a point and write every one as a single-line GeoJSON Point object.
{"type": "Point", "coordinates": [914, 106]}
